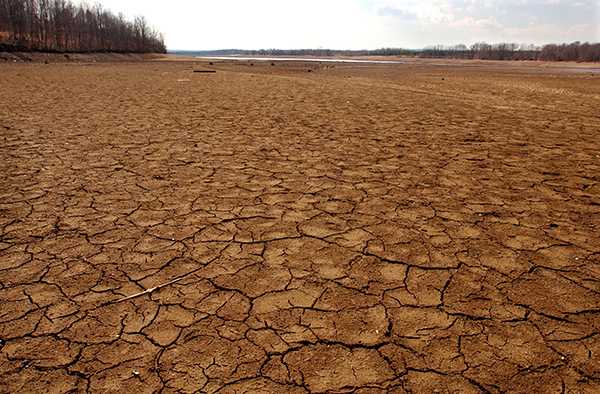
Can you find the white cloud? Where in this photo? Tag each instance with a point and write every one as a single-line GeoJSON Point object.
{"type": "Point", "coordinates": [196, 24]}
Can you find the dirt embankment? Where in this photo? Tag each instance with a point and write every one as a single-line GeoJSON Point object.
{"type": "Point", "coordinates": [45, 57]}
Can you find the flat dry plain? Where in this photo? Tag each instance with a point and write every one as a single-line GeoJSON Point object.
{"type": "Point", "coordinates": [371, 229]}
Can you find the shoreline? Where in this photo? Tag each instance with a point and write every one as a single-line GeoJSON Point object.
{"type": "Point", "coordinates": [563, 66]}
{"type": "Point", "coordinates": [70, 57]}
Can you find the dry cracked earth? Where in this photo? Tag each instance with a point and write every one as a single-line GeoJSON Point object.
{"type": "Point", "coordinates": [372, 229]}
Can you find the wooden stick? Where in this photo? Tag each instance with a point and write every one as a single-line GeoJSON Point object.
{"type": "Point", "coordinates": [153, 289]}
{"type": "Point", "coordinates": [150, 290]}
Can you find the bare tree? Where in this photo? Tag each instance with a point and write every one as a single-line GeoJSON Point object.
{"type": "Point", "coordinates": [510, 51]}
{"type": "Point", "coordinates": [59, 25]}
{"type": "Point", "coordinates": [574, 52]}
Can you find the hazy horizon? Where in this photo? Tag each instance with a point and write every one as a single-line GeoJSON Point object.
{"type": "Point", "coordinates": [363, 24]}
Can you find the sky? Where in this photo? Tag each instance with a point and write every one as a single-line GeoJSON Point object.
{"type": "Point", "coordinates": [363, 24]}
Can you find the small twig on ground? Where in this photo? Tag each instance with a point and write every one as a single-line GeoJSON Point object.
{"type": "Point", "coordinates": [153, 289]}
{"type": "Point", "coordinates": [149, 291]}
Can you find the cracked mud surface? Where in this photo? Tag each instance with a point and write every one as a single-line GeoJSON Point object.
{"type": "Point", "coordinates": [356, 229]}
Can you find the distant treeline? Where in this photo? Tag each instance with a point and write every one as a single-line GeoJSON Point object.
{"type": "Point", "coordinates": [61, 26]}
{"type": "Point", "coordinates": [577, 51]}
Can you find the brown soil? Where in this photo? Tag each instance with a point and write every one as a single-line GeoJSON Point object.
{"type": "Point", "coordinates": [373, 229]}
{"type": "Point", "coordinates": [45, 57]}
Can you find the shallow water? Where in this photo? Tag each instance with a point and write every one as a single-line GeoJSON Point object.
{"type": "Point", "coordinates": [299, 59]}
{"type": "Point", "coordinates": [592, 70]}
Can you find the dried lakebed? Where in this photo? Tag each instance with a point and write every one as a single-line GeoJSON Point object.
{"type": "Point", "coordinates": [386, 229]}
